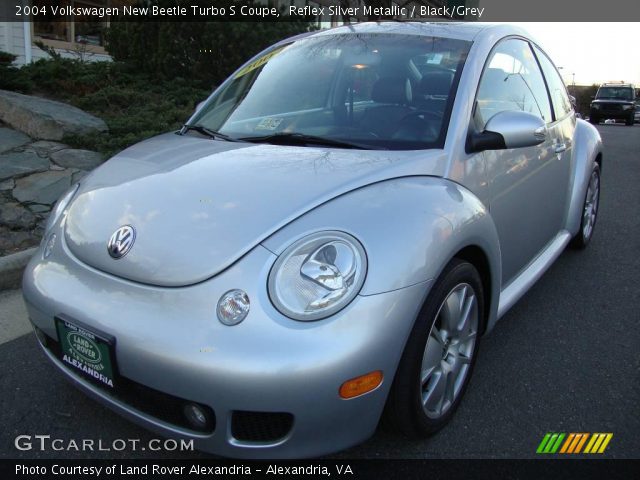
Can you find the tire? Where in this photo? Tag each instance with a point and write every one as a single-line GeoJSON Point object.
{"type": "Point", "coordinates": [413, 406]}
{"type": "Point", "coordinates": [590, 208]}
{"type": "Point", "coordinates": [629, 121]}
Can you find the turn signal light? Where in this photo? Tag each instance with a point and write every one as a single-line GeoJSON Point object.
{"type": "Point", "coordinates": [361, 385]}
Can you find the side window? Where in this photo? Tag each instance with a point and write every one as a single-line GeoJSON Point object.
{"type": "Point", "coordinates": [512, 81]}
{"type": "Point", "coordinates": [561, 104]}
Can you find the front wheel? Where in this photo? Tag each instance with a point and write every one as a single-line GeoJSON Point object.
{"type": "Point", "coordinates": [439, 356]}
{"type": "Point", "coordinates": [589, 211]}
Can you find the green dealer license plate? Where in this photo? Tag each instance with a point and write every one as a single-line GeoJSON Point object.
{"type": "Point", "coordinates": [88, 353]}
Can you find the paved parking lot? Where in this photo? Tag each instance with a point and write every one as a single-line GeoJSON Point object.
{"type": "Point", "coordinates": [565, 358]}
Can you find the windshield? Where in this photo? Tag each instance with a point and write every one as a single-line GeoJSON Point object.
{"type": "Point", "coordinates": [615, 93]}
{"type": "Point", "coordinates": [375, 91]}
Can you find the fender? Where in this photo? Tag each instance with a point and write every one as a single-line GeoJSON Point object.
{"type": "Point", "coordinates": [412, 224]}
{"type": "Point", "coordinates": [587, 146]}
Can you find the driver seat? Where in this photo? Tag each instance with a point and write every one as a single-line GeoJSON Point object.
{"type": "Point", "coordinates": [393, 96]}
{"type": "Point", "coordinates": [433, 91]}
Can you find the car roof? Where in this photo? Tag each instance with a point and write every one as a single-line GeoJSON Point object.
{"type": "Point", "coordinates": [486, 34]}
{"type": "Point", "coordinates": [623, 85]}
{"type": "Point", "coordinates": [456, 30]}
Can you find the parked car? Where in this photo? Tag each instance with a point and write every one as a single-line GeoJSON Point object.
{"type": "Point", "coordinates": [636, 115]}
{"type": "Point", "coordinates": [326, 240]}
{"type": "Point", "coordinates": [613, 101]}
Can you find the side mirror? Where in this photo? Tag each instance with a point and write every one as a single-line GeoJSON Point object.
{"type": "Point", "coordinates": [509, 129]}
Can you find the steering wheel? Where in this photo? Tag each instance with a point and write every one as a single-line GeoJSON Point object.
{"type": "Point", "coordinates": [422, 113]}
{"type": "Point", "coordinates": [429, 125]}
{"type": "Point", "coordinates": [361, 133]}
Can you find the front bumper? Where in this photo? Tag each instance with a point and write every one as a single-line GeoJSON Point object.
{"type": "Point", "coordinates": [614, 111]}
{"type": "Point", "coordinates": [169, 340]}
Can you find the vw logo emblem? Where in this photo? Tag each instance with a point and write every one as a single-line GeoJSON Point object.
{"type": "Point", "coordinates": [121, 241]}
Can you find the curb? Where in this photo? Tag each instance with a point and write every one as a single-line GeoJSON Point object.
{"type": "Point", "coordinates": [12, 266]}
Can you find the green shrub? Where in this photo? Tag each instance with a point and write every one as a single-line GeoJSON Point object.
{"type": "Point", "coordinates": [12, 78]}
{"type": "Point", "coordinates": [6, 58]}
{"type": "Point", "coordinates": [134, 105]}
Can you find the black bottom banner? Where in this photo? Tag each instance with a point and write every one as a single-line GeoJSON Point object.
{"type": "Point", "coordinates": [313, 469]}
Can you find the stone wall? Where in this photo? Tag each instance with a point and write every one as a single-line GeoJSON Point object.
{"type": "Point", "coordinates": [33, 175]}
{"type": "Point", "coordinates": [45, 119]}
{"type": "Point", "coordinates": [35, 169]}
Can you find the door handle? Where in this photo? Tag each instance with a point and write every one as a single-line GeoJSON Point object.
{"type": "Point", "coordinates": [561, 147]}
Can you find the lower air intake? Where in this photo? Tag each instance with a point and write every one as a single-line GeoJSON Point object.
{"type": "Point", "coordinates": [260, 426]}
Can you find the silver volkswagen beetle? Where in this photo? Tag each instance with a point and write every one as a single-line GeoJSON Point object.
{"type": "Point", "coordinates": [325, 241]}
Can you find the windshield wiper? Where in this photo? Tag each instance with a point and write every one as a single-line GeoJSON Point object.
{"type": "Point", "coordinates": [292, 138]}
{"type": "Point", "coordinates": [208, 132]}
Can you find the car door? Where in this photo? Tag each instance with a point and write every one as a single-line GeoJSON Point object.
{"type": "Point", "coordinates": [523, 190]}
{"type": "Point", "coordinates": [562, 132]}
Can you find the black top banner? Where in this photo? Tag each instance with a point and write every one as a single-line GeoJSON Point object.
{"type": "Point", "coordinates": [333, 11]}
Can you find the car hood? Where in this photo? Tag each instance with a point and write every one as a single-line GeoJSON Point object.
{"type": "Point", "coordinates": [198, 205]}
{"type": "Point", "coordinates": [613, 101]}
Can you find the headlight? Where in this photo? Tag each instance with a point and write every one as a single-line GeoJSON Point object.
{"type": "Point", "coordinates": [318, 275]}
{"type": "Point", "coordinates": [63, 202]}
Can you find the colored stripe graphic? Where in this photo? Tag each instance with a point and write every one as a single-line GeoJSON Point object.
{"type": "Point", "coordinates": [555, 447]}
{"type": "Point", "coordinates": [593, 439]}
{"type": "Point", "coordinates": [568, 442]}
{"type": "Point", "coordinates": [550, 443]}
{"type": "Point", "coordinates": [606, 441]}
{"type": "Point", "coordinates": [574, 443]}
{"type": "Point", "coordinates": [598, 443]}
{"type": "Point", "coordinates": [543, 443]}
{"type": "Point", "coordinates": [599, 439]}
{"type": "Point", "coordinates": [581, 443]}
{"type": "Point", "coordinates": [556, 443]}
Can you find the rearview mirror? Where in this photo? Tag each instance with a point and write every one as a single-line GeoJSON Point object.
{"type": "Point", "coordinates": [509, 129]}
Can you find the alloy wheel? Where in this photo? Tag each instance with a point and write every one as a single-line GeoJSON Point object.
{"type": "Point", "coordinates": [591, 205]}
{"type": "Point", "coordinates": [448, 352]}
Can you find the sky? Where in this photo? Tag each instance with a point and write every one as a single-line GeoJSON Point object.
{"type": "Point", "coordinates": [595, 52]}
